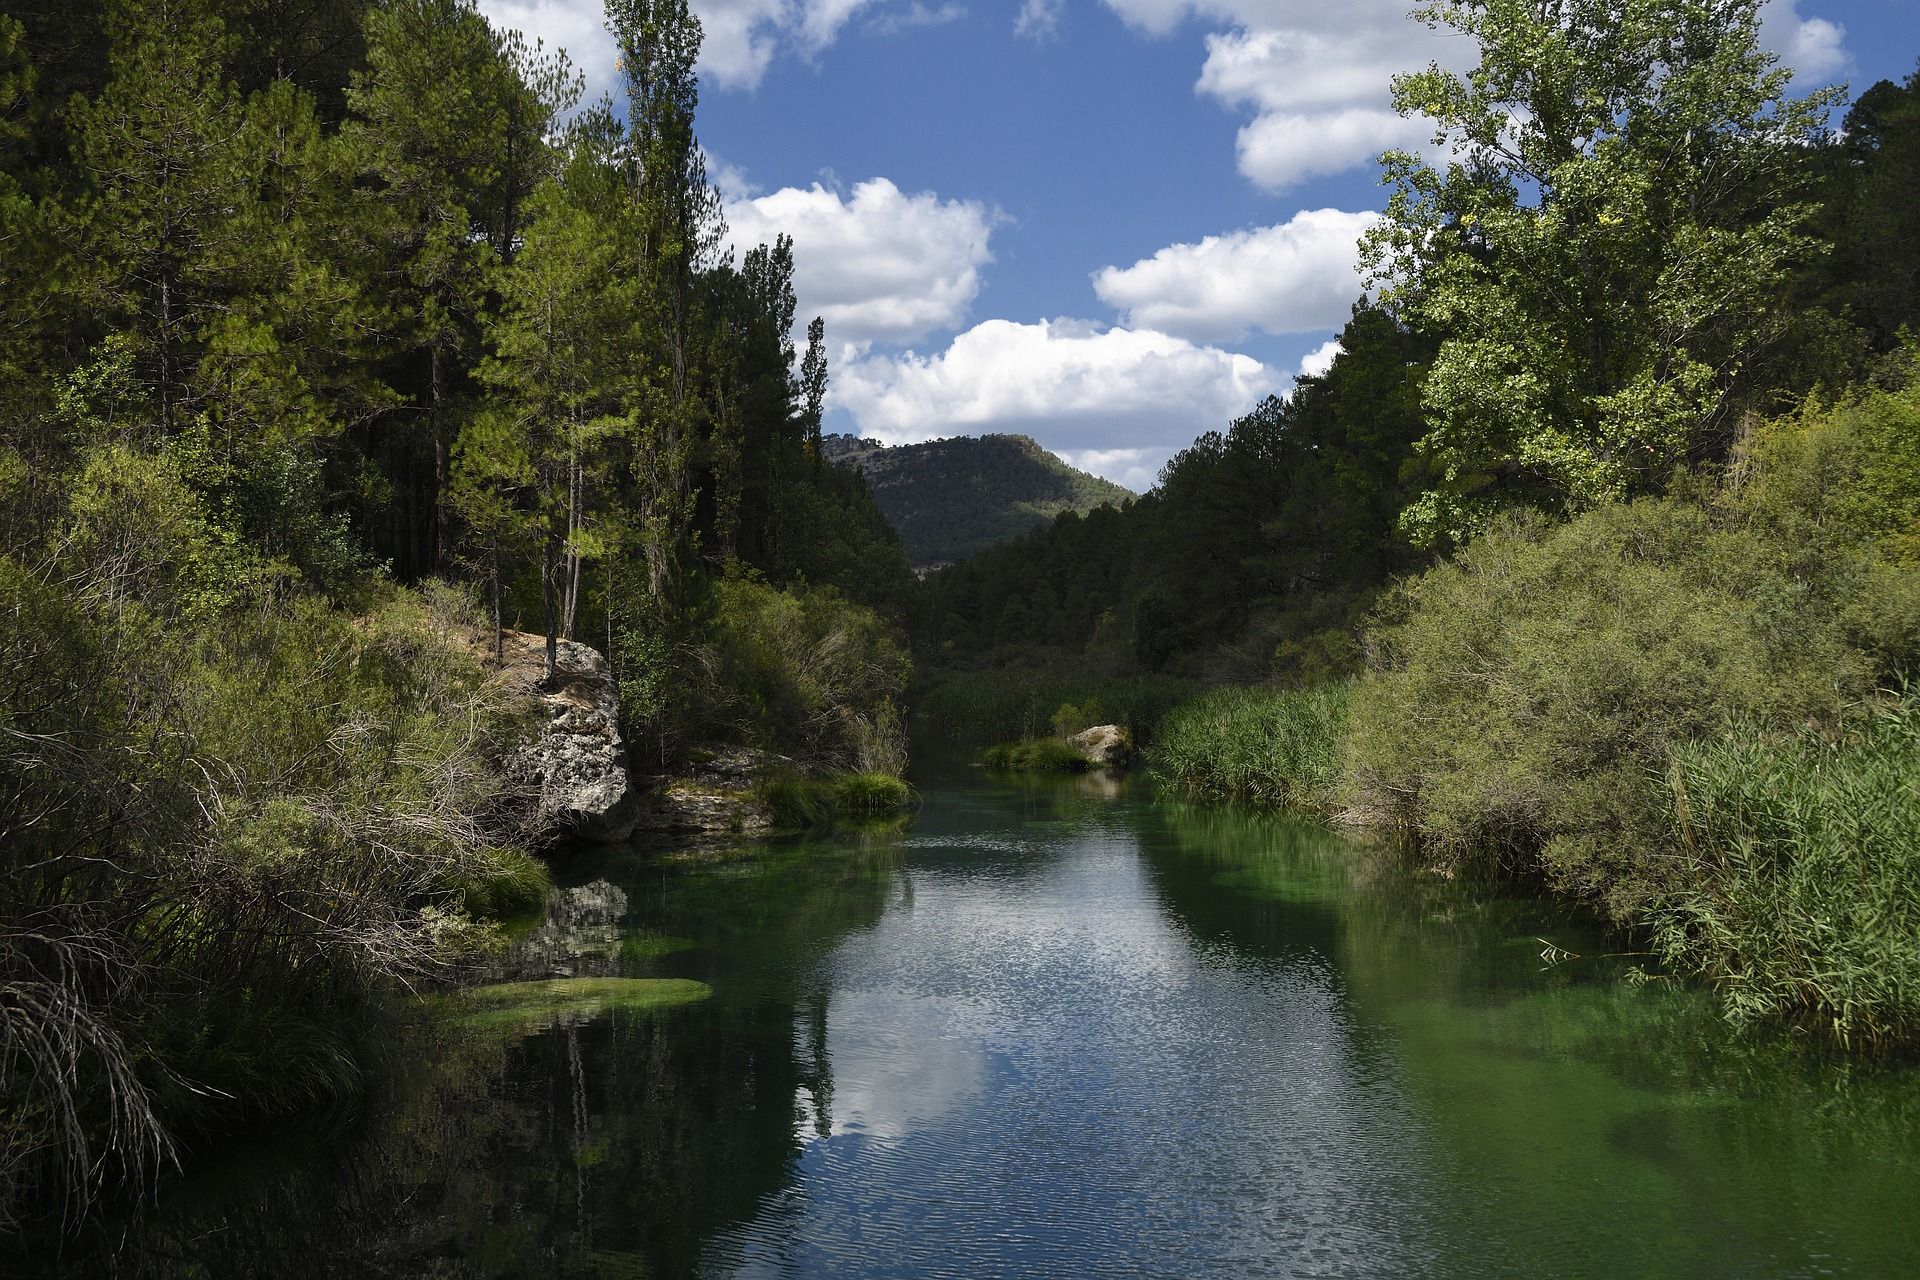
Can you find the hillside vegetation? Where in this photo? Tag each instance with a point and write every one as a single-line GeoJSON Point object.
{"type": "Point", "coordinates": [1592, 557]}
{"type": "Point", "coordinates": [949, 499]}
{"type": "Point", "coordinates": [324, 344]}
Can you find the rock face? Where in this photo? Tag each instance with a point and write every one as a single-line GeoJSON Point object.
{"type": "Point", "coordinates": [576, 763]}
{"type": "Point", "coordinates": [721, 796]}
{"type": "Point", "coordinates": [1108, 746]}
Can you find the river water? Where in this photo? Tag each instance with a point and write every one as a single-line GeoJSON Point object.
{"type": "Point", "coordinates": [1057, 1028]}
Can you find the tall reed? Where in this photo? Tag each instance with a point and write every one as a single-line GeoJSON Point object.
{"type": "Point", "coordinates": [1263, 745]}
{"type": "Point", "coordinates": [1796, 881]}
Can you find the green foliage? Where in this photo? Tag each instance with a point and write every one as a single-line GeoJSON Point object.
{"type": "Point", "coordinates": [798, 802]}
{"type": "Point", "coordinates": [507, 883]}
{"type": "Point", "coordinates": [985, 706]}
{"type": "Point", "coordinates": [1035, 755]}
{"type": "Point", "coordinates": [1518, 694]}
{"type": "Point", "coordinates": [1527, 699]}
{"type": "Point", "coordinates": [1614, 244]}
{"type": "Point", "coordinates": [1796, 890]}
{"type": "Point", "coordinates": [809, 673]}
{"type": "Point", "coordinates": [1264, 745]}
{"type": "Point", "coordinates": [871, 793]}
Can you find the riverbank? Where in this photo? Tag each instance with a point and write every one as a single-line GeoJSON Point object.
{"type": "Point", "coordinates": [1690, 712]}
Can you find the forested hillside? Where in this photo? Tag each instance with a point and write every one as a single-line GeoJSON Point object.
{"type": "Point", "coordinates": [330, 333]}
{"type": "Point", "coordinates": [949, 499]}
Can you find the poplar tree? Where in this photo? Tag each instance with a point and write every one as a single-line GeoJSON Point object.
{"type": "Point", "coordinates": [679, 229]}
{"type": "Point", "coordinates": [1608, 242]}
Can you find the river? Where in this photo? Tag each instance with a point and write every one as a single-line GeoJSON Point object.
{"type": "Point", "coordinates": [1057, 1028]}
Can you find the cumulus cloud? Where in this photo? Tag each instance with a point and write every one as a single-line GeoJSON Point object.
{"type": "Point", "coordinates": [1317, 361]}
{"type": "Point", "coordinates": [578, 26]}
{"type": "Point", "coordinates": [740, 37]}
{"type": "Point", "coordinates": [915, 16]}
{"type": "Point", "coordinates": [1316, 78]}
{"type": "Point", "coordinates": [879, 265]}
{"type": "Point", "coordinates": [1297, 277]}
{"type": "Point", "coordinates": [1135, 469]}
{"type": "Point", "coordinates": [1814, 47]}
{"type": "Point", "coordinates": [1122, 399]}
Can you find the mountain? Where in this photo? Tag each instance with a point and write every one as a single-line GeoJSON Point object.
{"type": "Point", "coordinates": [948, 499]}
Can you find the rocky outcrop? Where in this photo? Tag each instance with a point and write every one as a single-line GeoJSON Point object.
{"type": "Point", "coordinates": [574, 765]}
{"type": "Point", "coordinates": [1106, 746]}
{"type": "Point", "coordinates": [722, 794]}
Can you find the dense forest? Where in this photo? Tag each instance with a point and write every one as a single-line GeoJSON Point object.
{"type": "Point", "coordinates": [336, 335]}
{"type": "Point", "coordinates": [949, 499]}
{"type": "Point", "coordinates": [1594, 557]}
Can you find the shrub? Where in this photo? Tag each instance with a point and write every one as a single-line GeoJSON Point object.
{"type": "Point", "coordinates": [1798, 885]}
{"type": "Point", "coordinates": [1035, 755]}
{"type": "Point", "coordinates": [1518, 694]}
{"type": "Point", "coordinates": [1263, 745]}
{"type": "Point", "coordinates": [871, 793]}
{"type": "Point", "coordinates": [810, 673]}
{"type": "Point", "coordinates": [229, 818]}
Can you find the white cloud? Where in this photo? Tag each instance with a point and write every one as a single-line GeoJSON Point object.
{"type": "Point", "coordinates": [740, 38]}
{"type": "Point", "coordinates": [1317, 77]}
{"type": "Point", "coordinates": [881, 265]}
{"type": "Point", "coordinates": [1317, 361]}
{"type": "Point", "coordinates": [1297, 277]}
{"type": "Point", "coordinates": [915, 16]}
{"type": "Point", "coordinates": [1135, 469]}
{"type": "Point", "coordinates": [1039, 20]}
{"type": "Point", "coordinates": [578, 26]}
{"type": "Point", "coordinates": [1814, 47]}
{"type": "Point", "coordinates": [1119, 398]}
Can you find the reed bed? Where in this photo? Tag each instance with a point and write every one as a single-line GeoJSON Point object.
{"type": "Point", "coordinates": [1797, 875]}
{"type": "Point", "coordinates": [1261, 745]}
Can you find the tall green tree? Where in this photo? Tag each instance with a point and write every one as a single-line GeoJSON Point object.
{"type": "Point", "coordinates": [558, 342]}
{"type": "Point", "coordinates": [449, 126]}
{"type": "Point", "coordinates": [680, 228]}
{"type": "Point", "coordinates": [1606, 247]}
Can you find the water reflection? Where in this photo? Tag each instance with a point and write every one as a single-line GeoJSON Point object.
{"type": "Point", "coordinates": [1058, 1029]}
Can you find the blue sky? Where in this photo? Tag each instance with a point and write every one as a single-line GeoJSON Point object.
{"type": "Point", "coordinates": [1108, 224]}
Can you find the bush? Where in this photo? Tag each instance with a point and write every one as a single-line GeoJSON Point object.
{"type": "Point", "coordinates": [1035, 755]}
{"type": "Point", "coordinates": [809, 673]}
{"type": "Point", "coordinates": [798, 803]}
{"type": "Point", "coordinates": [991, 706]}
{"type": "Point", "coordinates": [230, 818]}
{"type": "Point", "coordinates": [1518, 695]}
{"type": "Point", "coordinates": [1263, 745]}
{"type": "Point", "coordinates": [871, 793]}
{"type": "Point", "coordinates": [1798, 889]}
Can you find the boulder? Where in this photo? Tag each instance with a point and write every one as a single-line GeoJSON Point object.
{"type": "Point", "coordinates": [575, 763]}
{"type": "Point", "coordinates": [1107, 746]}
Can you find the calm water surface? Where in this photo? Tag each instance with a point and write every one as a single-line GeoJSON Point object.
{"type": "Point", "coordinates": [1058, 1029]}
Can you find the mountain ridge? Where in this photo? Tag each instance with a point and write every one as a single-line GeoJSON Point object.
{"type": "Point", "coordinates": [952, 498]}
